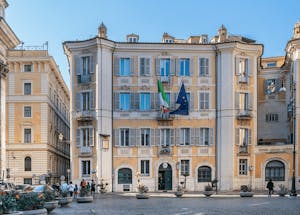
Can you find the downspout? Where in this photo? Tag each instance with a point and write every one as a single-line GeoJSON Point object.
{"type": "Point", "coordinates": [217, 57]}
{"type": "Point", "coordinates": [112, 118]}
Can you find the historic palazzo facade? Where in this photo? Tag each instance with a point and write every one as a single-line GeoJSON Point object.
{"type": "Point", "coordinates": [242, 125]}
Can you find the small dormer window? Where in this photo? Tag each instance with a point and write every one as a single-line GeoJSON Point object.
{"type": "Point", "coordinates": [132, 39]}
{"type": "Point", "coordinates": [168, 41]}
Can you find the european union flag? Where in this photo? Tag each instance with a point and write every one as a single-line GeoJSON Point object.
{"type": "Point", "coordinates": [182, 99]}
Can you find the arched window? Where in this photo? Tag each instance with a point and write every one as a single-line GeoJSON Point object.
{"type": "Point", "coordinates": [204, 174]}
{"type": "Point", "coordinates": [27, 164]}
{"type": "Point", "coordinates": [125, 176]}
{"type": "Point", "coordinates": [275, 170]}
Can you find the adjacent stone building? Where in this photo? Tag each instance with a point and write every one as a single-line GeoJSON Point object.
{"type": "Point", "coordinates": [38, 130]}
{"type": "Point", "coordinates": [118, 129]}
{"type": "Point", "coordinates": [8, 40]}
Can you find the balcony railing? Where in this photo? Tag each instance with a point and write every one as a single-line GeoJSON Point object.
{"type": "Point", "coordinates": [165, 79]}
{"type": "Point", "coordinates": [85, 150]}
{"type": "Point", "coordinates": [84, 115]}
{"type": "Point", "coordinates": [243, 150]}
{"type": "Point", "coordinates": [85, 79]}
{"type": "Point", "coordinates": [244, 114]}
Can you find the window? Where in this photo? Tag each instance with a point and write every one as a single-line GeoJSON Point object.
{"type": "Point", "coordinates": [203, 101]}
{"type": "Point", "coordinates": [125, 176]}
{"type": "Point", "coordinates": [87, 136]}
{"type": "Point", "coordinates": [271, 117]}
{"type": "Point", "coordinates": [144, 66]}
{"type": "Point", "coordinates": [27, 162]}
{"type": "Point", "coordinates": [125, 101]}
{"type": "Point", "coordinates": [185, 167]}
{"type": "Point", "coordinates": [184, 67]}
{"type": "Point", "coordinates": [27, 135]}
{"type": "Point", "coordinates": [145, 101]}
{"type": "Point", "coordinates": [145, 136]}
{"type": "Point", "coordinates": [168, 41]}
{"type": "Point", "coordinates": [27, 68]}
{"type": "Point", "coordinates": [27, 88]}
{"type": "Point", "coordinates": [204, 136]}
{"type": "Point", "coordinates": [243, 67]}
{"type": "Point", "coordinates": [27, 111]}
{"type": "Point", "coordinates": [185, 136]}
{"type": "Point", "coordinates": [132, 39]}
{"type": "Point", "coordinates": [243, 167]}
{"type": "Point", "coordinates": [86, 168]}
{"type": "Point", "coordinates": [85, 65]}
{"type": "Point", "coordinates": [203, 67]}
{"type": "Point", "coordinates": [244, 136]}
{"type": "Point", "coordinates": [145, 167]}
{"type": "Point", "coordinates": [85, 101]}
{"type": "Point", "coordinates": [28, 181]}
{"type": "Point", "coordinates": [165, 137]}
{"type": "Point", "coordinates": [204, 174]}
{"type": "Point", "coordinates": [125, 67]}
{"type": "Point", "coordinates": [275, 170]}
{"type": "Point", "coordinates": [124, 136]}
{"type": "Point", "coordinates": [164, 67]}
{"type": "Point", "coordinates": [243, 101]}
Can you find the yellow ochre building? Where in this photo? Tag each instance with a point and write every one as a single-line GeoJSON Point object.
{"type": "Point", "coordinates": [242, 121]}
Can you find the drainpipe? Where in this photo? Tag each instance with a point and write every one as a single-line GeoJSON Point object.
{"type": "Point", "coordinates": [217, 59]}
{"type": "Point", "coordinates": [112, 119]}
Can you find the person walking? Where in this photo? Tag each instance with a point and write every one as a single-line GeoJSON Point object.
{"type": "Point", "coordinates": [270, 187]}
{"type": "Point", "coordinates": [71, 188]}
{"type": "Point", "coordinates": [93, 187]}
{"type": "Point", "coordinates": [75, 191]}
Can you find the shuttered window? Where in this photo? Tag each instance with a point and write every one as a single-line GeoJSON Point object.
{"type": "Point", "coordinates": [144, 66]}
{"type": "Point", "coordinates": [124, 101]}
{"type": "Point", "coordinates": [203, 67]}
{"type": "Point", "coordinates": [124, 66]}
{"type": "Point", "coordinates": [145, 101]}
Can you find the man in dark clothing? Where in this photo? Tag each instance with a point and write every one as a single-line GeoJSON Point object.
{"type": "Point", "coordinates": [270, 187]}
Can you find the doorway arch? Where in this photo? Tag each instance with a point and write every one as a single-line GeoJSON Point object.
{"type": "Point", "coordinates": [165, 177]}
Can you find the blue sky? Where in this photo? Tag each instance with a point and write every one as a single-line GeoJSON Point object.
{"type": "Point", "coordinates": [37, 21]}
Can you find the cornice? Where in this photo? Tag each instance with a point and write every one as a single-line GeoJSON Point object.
{"type": "Point", "coordinates": [7, 35]}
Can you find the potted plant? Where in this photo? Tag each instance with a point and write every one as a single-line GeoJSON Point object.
{"type": "Point", "coordinates": [246, 191]}
{"type": "Point", "coordinates": [49, 200]}
{"type": "Point", "coordinates": [208, 190]}
{"type": "Point", "coordinates": [102, 186]}
{"type": "Point", "coordinates": [142, 189]}
{"type": "Point", "coordinates": [8, 203]}
{"type": "Point", "coordinates": [64, 199]}
{"type": "Point", "coordinates": [84, 195]}
{"type": "Point", "coordinates": [30, 203]}
{"type": "Point", "coordinates": [282, 190]}
{"type": "Point", "coordinates": [179, 190]}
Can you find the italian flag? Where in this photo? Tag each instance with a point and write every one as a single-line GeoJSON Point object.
{"type": "Point", "coordinates": [162, 97]}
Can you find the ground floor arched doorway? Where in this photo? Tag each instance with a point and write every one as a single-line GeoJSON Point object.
{"type": "Point", "coordinates": [165, 177]}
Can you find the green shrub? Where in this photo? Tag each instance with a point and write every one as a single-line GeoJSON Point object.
{"type": "Point", "coordinates": [30, 201]}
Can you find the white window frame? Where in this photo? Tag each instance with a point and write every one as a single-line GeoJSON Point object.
{"type": "Point", "coordinates": [31, 134]}
{"type": "Point", "coordinates": [145, 137]}
{"type": "Point", "coordinates": [81, 168]}
{"type": "Point", "coordinates": [243, 136]}
{"type": "Point", "coordinates": [205, 66]}
{"type": "Point", "coordinates": [165, 137]}
{"type": "Point", "coordinates": [204, 135]}
{"type": "Point", "coordinates": [144, 165]}
{"type": "Point", "coordinates": [27, 106]}
{"type": "Point", "coordinates": [183, 167]}
{"type": "Point", "coordinates": [31, 87]}
{"type": "Point", "coordinates": [28, 64]}
{"type": "Point", "coordinates": [123, 142]}
{"type": "Point", "coordinates": [243, 101]}
{"type": "Point", "coordinates": [145, 67]}
{"type": "Point", "coordinates": [86, 142]}
{"type": "Point", "coordinates": [185, 72]}
{"type": "Point", "coordinates": [185, 136]}
{"type": "Point", "coordinates": [243, 167]}
{"type": "Point", "coordinates": [243, 65]}
{"type": "Point", "coordinates": [207, 99]}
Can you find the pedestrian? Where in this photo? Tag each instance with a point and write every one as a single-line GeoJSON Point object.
{"type": "Point", "coordinates": [93, 187]}
{"type": "Point", "coordinates": [75, 191]}
{"type": "Point", "coordinates": [270, 187]}
{"type": "Point", "coordinates": [83, 183]}
{"type": "Point", "coordinates": [88, 186]}
{"type": "Point", "coordinates": [71, 188]}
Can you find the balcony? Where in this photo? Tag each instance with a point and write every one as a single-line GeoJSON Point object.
{"type": "Point", "coordinates": [85, 151]}
{"type": "Point", "coordinates": [164, 151]}
{"type": "Point", "coordinates": [85, 79]}
{"type": "Point", "coordinates": [243, 79]}
{"type": "Point", "coordinates": [244, 114]}
{"type": "Point", "coordinates": [165, 119]}
{"type": "Point", "coordinates": [165, 79]}
{"type": "Point", "coordinates": [84, 115]}
{"type": "Point", "coordinates": [243, 150]}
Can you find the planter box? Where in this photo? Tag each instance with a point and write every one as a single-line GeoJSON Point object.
{"type": "Point", "coordinates": [50, 206]}
{"type": "Point", "coordinates": [35, 212]}
{"type": "Point", "coordinates": [142, 196]}
{"type": "Point", "coordinates": [179, 193]}
{"type": "Point", "coordinates": [84, 199]}
{"type": "Point", "coordinates": [65, 201]}
{"type": "Point", "coordinates": [282, 194]}
{"type": "Point", "coordinates": [246, 194]}
{"type": "Point", "coordinates": [208, 193]}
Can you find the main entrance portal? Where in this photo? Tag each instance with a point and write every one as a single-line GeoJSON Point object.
{"type": "Point", "coordinates": [165, 177]}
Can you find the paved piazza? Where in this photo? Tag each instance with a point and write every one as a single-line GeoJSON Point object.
{"type": "Point", "coordinates": [113, 204]}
